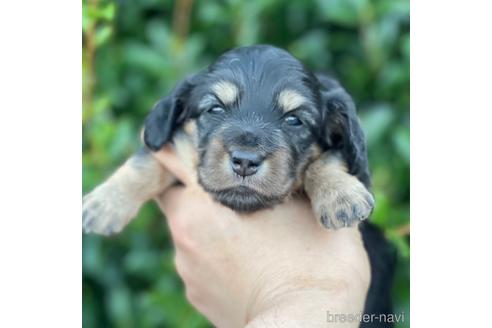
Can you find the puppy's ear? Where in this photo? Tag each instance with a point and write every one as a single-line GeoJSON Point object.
{"type": "Point", "coordinates": [341, 128]}
{"type": "Point", "coordinates": [167, 115]}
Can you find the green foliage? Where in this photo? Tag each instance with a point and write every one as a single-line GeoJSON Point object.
{"type": "Point", "coordinates": [133, 54]}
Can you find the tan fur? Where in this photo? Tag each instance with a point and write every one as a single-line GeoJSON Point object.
{"type": "Point", "coordinates": [289, 99]}
{"type": "Point", "coordinates": [338, 198]}
{"type": "Point", "coordinates": [112, 205]}
{"type": "Point", "coordinates": [185, 143]}
{"type": "Point", "coordinates": [271, 180]}
{"type": "Point", "coordinates": [226, 91]}
{"type": "Point", "coordinates": [314, 153]}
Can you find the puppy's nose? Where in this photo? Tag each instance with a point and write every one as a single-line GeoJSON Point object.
{"type": "Point", "coordinates": [245, 163]}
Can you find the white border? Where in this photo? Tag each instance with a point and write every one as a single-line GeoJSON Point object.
{"type": "Point", "coordinates": [40, 173]}
{"type": "Point", "coordinates": [451, 164]}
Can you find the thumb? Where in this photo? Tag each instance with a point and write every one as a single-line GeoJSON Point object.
{"type": "Point", "coordinates": [170, 201]}
{"type": "Point", "coordinates": [167, 156]}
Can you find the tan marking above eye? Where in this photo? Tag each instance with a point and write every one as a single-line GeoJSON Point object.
{"type": "Point", "coordinates": [226, 91]}
{"type": "Point", "coordinates": [289, 99]}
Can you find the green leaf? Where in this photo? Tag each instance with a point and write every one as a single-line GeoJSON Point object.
{"type": "Point", "coordinates": [401, 140]}
{"type": "Point", "coordinates": [405, 46]}
{"type": "Point", "coordinates": [103, 33]}
{"type": "Point", "coordinates": [376, 121]}
{"type": "Point", "coordinates": [312, 48]}
{"type": "Point", "coordinates": [120, 307]}
{"type": "Point", "coordinates": [86, 19]}
{"type": "Point", "coordinates": [107, 12]}
{"type": "Point", "coordinates": [401, 244]}
{"type": "Point", "coordinates": [343, 12]}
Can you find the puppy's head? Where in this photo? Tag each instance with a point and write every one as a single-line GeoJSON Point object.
{"type": "Point", "coordinates": [259, 117]}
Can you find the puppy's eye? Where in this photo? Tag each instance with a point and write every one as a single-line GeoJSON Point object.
{"type": "Point", "coordinates": [293, 120]}
{"type": "Point", "coordinates": [216, 110]}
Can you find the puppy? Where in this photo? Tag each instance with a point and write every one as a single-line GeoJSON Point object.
{"type": "Point", "coordinates": [255, 126]}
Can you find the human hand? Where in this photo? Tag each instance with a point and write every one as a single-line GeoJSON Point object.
{"type": "Point", "coordinates": [271, 267]}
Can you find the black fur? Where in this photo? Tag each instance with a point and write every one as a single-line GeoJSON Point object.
{"type": "Point", "coordinates": [342, 129]}
{"type": "Point", "coordinates": [243, 199]}
{"type": "Point", "coordinates": [255, 121]}
{"type": "Point", "coordinates": [382, 257]}
{"type": "Point", "coordinates": [166, 116]}
{"type": "Point", "coordinates": [330, 121]}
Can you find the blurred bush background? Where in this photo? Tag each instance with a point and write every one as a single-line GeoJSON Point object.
{"type": "Point", "coordinates": [133, 54]}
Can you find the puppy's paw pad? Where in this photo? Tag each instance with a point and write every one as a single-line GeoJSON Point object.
{"type": "Point", "coordinates": [105, 211]}
{"type": "Point", "coordinates": [343, 207]}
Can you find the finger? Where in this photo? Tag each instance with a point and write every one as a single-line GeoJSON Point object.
{"type": "Point", "coordinates": [167, 156]}
{"type": "Point", "coordinates": [169, 201]}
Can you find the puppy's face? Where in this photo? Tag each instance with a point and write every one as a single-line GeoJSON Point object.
{"type": "Point", "coordinates": [258, 117]}
{"type": "Point", "coordinates": [257, 122]}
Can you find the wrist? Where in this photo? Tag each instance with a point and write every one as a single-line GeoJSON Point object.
{"type": "Point", "coordinates": [296, 308]}
{"type": "Point", "coordinates": [306, 302]}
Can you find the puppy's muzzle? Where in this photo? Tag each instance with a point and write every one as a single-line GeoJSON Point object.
{"type": "Point", "coordinates": [245, 163]}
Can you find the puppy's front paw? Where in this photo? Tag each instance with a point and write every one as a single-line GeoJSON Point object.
{"type": "Point", "coordinates": [106, 210]}
{"type": "Point", "coordinates": [343, 204]}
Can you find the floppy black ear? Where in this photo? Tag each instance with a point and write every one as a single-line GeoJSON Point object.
{"type": "Point", "coordinates": [168, 114]}
{"type": "Point", "coordinates": [341, 128]}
